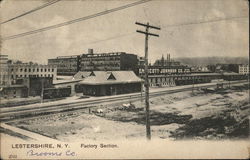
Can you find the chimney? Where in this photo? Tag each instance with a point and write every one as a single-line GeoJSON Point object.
{"type": "Point", "coordinates": [90, 51]}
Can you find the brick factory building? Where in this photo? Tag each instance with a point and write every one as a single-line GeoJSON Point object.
{"type": "Point", "coordinates": [23, 70]}
{"type": "Point", "coordinates": [70, 65]}
{"type": "Point", "coordinates": [161, 70]}
{"type": "Point", "coordinates": [66, 65]}
{"type": "Point", "coordinates": [26, 86]}
{"type": "Point", "coordinates": [25, 79]}
{"type": "Point", "coordinates": [164, 67]}
{"type": "Point", "coordinates": [117, 61]}
{"type": "Point", "coordinates": [13, 91]}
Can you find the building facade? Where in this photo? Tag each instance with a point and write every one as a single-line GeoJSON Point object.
{"type": "Point", "coordinates": [163, 67]}
{"type": "Point", "coordinates": [161, 70]}
{"type": "Point", "coordinates": [109, 62]}
{"type": "Point", "coordinates": [23, 70]}
{"type": "Point", "coordinates": [13, 91]}
{"type": "Point", "coordinates": [66, 65]}
{"type": "Point", "coordinates": [4, 75]}
{"type": "Point", "coordinates": [243, 69]}
{"type": "Point", "coordinates": [194, 78]}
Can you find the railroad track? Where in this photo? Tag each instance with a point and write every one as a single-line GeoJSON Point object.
{"type": "Point", "coordinates": [20, 112]}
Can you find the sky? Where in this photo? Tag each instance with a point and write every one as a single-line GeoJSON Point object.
{"type": "Point", "coordinates": [116, 32]}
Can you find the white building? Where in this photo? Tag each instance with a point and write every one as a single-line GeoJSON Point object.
{"type": "Point", "coordinates": [4, 76]}
{"type": "Point", "coordinates": [30, 70]}
{"type": "Point", "coordinates": [244, 69]}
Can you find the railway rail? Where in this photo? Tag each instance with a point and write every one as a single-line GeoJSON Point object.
{"type": "Point", "coordinates": [12, 113]}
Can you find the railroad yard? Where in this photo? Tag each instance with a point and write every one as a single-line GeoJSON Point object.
{"type": "Point", "coordinates": [182, 115]}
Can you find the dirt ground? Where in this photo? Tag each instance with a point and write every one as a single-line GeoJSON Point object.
{"type": "Point", "coordinates": [182, 115]}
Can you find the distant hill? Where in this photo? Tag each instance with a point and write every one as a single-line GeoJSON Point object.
{"type": "Point", "coordinates": [203, 61]}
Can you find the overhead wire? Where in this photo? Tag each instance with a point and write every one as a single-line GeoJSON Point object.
{"type": "Point", "coordinates": [75, 20]}
{"type": "Point", "coordinates": [176, 25]}
{"type": "Point", "coordinates": [31, 11]}
{"type": "Point", "coordinates": [111, 38]}
{"type": "Point", "coordinates": [201, 22]}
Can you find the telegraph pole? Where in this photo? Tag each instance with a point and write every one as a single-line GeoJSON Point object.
{"type": "Point", "coordinates": [42, 91]}
{"type": "Point", "coordinates": [146, 83]}
{"type": "Point", "coordinates": [193, 85]}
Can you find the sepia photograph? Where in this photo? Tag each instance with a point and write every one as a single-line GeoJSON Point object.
{"type": "Point", "coordinates": [124, 79]}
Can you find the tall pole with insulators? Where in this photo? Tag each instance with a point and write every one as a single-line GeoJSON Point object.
{"type": "Point", "coordinates": [42, 90]}
{"type": "Point", "coordinates": [193, 85]}
{"type": "Point", "coordinates": [146, 83]}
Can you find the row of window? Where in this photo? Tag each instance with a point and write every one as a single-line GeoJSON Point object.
{"type": "Point", "coordinates": [163, 84]}
{"type": "Point", "coordinates": [165, 79]}
{"type": "Point", "coordinates": [101, 59]}
{"type": "Point", "coordinates": [34, 70]}
{"type": "Point", "coordinates": [103, 65]}
{"type": "Point", "coordinates": [37, 75]}
{"type": "Point", "coordinates": [245, 69]}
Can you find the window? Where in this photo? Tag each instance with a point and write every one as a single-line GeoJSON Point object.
{"type": "Point", "coordinates": [25, 70]}
{"type": "Point", "coordinates": [21, 69]}
{"type": "Point", "coordinates": [52, 69]}
{"type": "Point", "coordinates": [45, 70]}
{"type": "Point", "coordinates": [37, 70]}
{"type": "Point", "coordinates": [29, 70]}
{"type": "Point", "coordinates": [41, 70]}
{"type": "Point", "coordinates": [34, 70]}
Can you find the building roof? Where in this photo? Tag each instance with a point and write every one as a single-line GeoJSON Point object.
{"type": "Point", "coordinates": [12, 86]}
{"type": "Point", "coordinates": [81, 75]}
{"type": "Point", "coordinates": [110, 77]}
{"type": "Point", "coordinates": [183, 75]}
{"type": "Point", "coordinates": [55, 82]}
{"type": "Point", "coordinates": [230, 73]}
{"type": "Point", "coordinates": [65, 57]}
{"type": "Point", "coordinates": [64, 77]}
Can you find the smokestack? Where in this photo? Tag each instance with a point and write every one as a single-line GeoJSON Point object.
{"type": "Point", "coordinates": [90, 51]}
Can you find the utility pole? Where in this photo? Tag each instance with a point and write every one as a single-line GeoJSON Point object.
{"type": "Point", "coordinates": [42, 89]}
{"type": "Point", "coordinates": [146, 83]}
{"type": "Point", "coordinates": [193, 86]}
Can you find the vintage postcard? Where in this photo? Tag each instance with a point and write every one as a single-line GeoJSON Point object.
{"type": "Point", "coordinates": [124, 79]}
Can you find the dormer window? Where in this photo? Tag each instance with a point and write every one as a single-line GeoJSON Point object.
{"type": "Point", "coordinates": [111, 77]}
{"type": "Point", "coordinates": [92, 74]}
